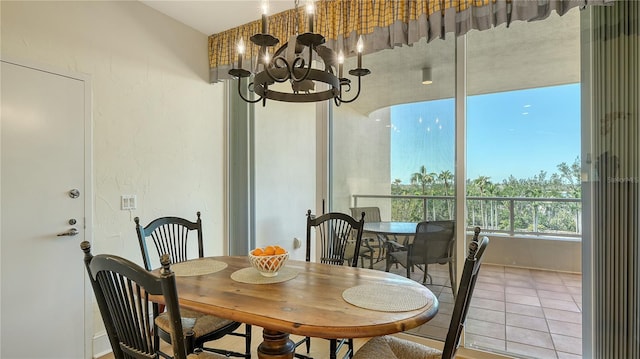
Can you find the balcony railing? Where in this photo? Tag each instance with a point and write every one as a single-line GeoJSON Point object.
{"type": "Point", "coordinates": [556, 217]}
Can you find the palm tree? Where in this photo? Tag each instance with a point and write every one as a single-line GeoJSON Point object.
{"type": "Point", "coordinates": [492, 191]}
{"type": "Point", "coordinates": [395, 186]}
{"type": "Point", "coordinates": [446, 177]}
{"type": "Point", "coordinates": [423, 178]}
{"type": "Point", "coordinates": [481, 183]}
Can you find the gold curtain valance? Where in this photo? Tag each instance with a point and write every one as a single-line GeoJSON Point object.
{"type": "Point", "coordinates": [384, 24]}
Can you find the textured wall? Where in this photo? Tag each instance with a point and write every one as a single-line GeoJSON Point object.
{"type": "Point", "coordinates": [362, 151]}
{"type": "Point", "coordinates": [285, 173]}
{"type": "Point", "coordinates": [158, 123]}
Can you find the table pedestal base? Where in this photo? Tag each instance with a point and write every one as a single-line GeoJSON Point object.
{"type": "Point", "coordinates": [276, 345]}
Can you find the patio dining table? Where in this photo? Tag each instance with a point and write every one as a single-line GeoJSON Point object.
{"type": "Point", "coordinates": [387, 233]}
{"type": "Point", "coordinates": [390, 231]}
{"type": "Point", "coordinates": [391, 228]}
{"type": "Point", "coordinates": [305, 298]}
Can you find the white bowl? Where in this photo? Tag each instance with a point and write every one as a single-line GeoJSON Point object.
{"type": "Point", "coordinates": [269, 265]}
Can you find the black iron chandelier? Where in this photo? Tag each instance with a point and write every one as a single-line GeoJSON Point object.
{"type": "Point", "coordinates": [294, 62]}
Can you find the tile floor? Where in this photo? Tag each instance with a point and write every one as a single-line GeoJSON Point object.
{"type": "Point", "coordinates": [525, 313]}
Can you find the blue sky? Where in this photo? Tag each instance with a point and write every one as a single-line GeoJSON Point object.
{"type": "Point", "coordinates": [515, 133]}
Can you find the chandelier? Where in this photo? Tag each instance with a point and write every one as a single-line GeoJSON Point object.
{"type": "Point", "coordinates": [294, 62]}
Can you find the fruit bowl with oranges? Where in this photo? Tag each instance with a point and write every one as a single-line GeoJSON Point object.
{"type": "Point", "coordinates": [268, 260]}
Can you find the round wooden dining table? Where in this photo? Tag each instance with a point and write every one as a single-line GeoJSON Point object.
{"type": "Point", "coordinates": [305, 298]}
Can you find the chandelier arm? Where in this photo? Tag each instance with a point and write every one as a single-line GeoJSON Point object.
{"type": "Point", "coordinates": [354, 98]}
{"type": "Point", "coordinates": [242, 96]}
{"type": "Point", "coordinates": [306, 73]}
{"type": "Point", "coordinates": [271, 75]}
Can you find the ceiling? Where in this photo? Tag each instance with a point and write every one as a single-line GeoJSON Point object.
{"type": "Point", "coordinates": [214, 16]}
{"type": "Point", "coordinates": [525, 55]}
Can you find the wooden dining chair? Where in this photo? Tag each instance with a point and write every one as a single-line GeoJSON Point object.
{"type": "Point", "coordinates": [335, 232]}
{"type": "Point", "coordinates": [175, 237]}
{"type": "Point", "coordinates": [433, 243]}
{"type": "Point", "coordinates": [390, 347]}
{"type": "Point", "coordinates": [122, 290]}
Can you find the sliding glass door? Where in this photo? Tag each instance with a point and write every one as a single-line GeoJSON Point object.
{"type": "Point", "coordinates": [523, 186]}
{"type": "Point", "coordinates": [394, 149]}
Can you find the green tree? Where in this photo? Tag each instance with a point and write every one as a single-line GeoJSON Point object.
{"type": "Point", "coordinates": [446, 177]}
{"type": "Point", "coordinates": [529, 215]}
{"type": "Point", "coordinates": [481, 183]}
{"type": "Point", "coordinates": [571, 174]}
{"type": "Point", "coordinates": [423, 178]}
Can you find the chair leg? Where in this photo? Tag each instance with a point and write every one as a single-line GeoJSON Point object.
{"type": "Point", "coordinates": [190, 341]}
{"type": "Point", "coordinates": [425, 275]}
{"type": "Point", "coordinates": [247, 341]}
{"type": "Point", "coordinates": [381, 248]}
{"type": "Point", "coordinates": [333, 347]}
{"type": "Point", "coordinates": [452, 278]}
{"type": "Point", "coordinates": [307, 342]}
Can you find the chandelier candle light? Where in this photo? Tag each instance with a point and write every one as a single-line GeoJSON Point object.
{"type": "Point", "coordinates": [293, 62]}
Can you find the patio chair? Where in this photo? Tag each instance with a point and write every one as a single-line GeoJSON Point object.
{"type": "Point", "coordinates": [372, 244]}
{"type": "Point", "coordinates": [390, 347]}
{"type": "Point", "coordinates": [335, 232]}
{"type": "Point", "coordinates": [175, 236]}
{"type": "Point", "coordinates": [433, 243]}
{"type": "Point", "coordinates": [122, 290]}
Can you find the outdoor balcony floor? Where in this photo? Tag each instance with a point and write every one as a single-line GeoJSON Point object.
{"type": "Point", "coordinates": [526, 313]}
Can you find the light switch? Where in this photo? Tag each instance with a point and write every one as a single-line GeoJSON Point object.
{"type": "Point", "coordinates": [128, 202]}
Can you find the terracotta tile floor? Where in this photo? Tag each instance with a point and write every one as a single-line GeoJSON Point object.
{"type": "Point", "coordinates": [523, 312]}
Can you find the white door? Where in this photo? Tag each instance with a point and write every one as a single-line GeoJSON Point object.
{"type": "Point", "coordinates": [43, 161]}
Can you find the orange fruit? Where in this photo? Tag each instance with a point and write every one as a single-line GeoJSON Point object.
{"type": "Point", "coordinates": [280, 250]}
{"type": "Point", "coordinates": [269, 250]}
{"type": "Point", "coordinates": [257, 252]}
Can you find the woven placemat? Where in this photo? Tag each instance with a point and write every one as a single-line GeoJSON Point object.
{"type": "Point", "coordinates": [251, 275]}
{"type": "Point", "coordinates": [198, 267]}
{"type": "Point", "coordinates": [385, 298]}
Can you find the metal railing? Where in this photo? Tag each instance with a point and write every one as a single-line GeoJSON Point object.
{"type": "Point", "coordinates": [557, 217]}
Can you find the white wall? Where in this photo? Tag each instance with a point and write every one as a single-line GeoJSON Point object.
{"type": "Point", "coordinates": [158, 123]}
{"type": "Point", "coordinates": [361, 158]}
{"type": "Point", "coordinates": [285, 173]}
{"type": "Point", "coordinates": [554, 254]}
